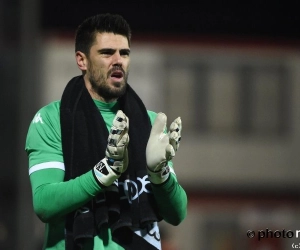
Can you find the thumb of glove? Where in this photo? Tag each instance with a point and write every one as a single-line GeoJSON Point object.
{"type": "Point", "coordinates": [170, 152]}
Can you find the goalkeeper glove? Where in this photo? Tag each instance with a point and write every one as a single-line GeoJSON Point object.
{"type": "Point", "coordinates": [115, 161]}
{"type": "Point", "coordinates": [161, 148]}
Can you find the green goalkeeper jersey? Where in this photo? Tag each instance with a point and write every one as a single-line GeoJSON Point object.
{"type": "Point", "coordinates": [53, 197]}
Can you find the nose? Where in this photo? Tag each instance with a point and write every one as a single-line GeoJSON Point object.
{"type": "Point", "coordinates": [117, 58]}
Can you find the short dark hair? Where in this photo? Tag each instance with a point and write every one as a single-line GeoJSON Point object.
{"type": "Point", "coordinates": [88, 29]}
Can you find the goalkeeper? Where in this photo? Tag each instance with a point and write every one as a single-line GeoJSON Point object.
{"type": "Point", "coordinates": [99, 162]}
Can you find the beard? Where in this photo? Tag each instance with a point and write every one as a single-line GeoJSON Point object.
{"type": "Point", "coordinates": [100, 86]}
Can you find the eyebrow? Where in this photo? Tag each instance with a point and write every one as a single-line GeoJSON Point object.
{"type": "Point", "coordinates": [105, 50]}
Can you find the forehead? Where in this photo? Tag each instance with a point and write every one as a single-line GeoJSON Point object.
{"type": "Point", "coordinates": [110, 40]}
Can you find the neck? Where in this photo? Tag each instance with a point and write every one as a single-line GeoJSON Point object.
{"type": "Point", "coordinates": [97, 97]}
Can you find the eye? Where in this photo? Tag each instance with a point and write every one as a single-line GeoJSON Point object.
{"type": "Point", "coordinates": [107, 51]}
{"type": "Point", "coordinates": [125, 52]}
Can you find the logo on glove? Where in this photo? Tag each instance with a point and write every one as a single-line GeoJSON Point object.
{"type": "Point", "coordinates": [101, 168]}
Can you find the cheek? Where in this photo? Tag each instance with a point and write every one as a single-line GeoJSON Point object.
{"type": "Point", "coordinates": [98, 68]}
{"type": "Point", "coordinates": [98, 63]}
{"type": "Point", "coordinates": [126, 64]}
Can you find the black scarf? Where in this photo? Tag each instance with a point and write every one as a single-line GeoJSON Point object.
{"type": "Point", "coordinates": [84, 140]}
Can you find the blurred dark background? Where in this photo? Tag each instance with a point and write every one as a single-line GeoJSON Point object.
{"type": "Point", "coordinates": [255, 19]}
{"type": "Point", "coordinates": [22, 23]}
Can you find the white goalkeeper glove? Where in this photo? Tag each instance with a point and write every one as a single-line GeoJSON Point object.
{"type": "Point", "coordinates": [115, 161]}
{"type": "Point", "coordinates": [161, 148]}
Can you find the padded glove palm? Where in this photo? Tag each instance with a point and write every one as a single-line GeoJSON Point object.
{"type": "Point", "coordinates": [161, 148]}
{"type": "Point", "coordinates": [115, 161]}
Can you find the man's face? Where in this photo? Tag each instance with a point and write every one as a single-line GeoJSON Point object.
{"type": "Point", "coordinates": [108, 66]}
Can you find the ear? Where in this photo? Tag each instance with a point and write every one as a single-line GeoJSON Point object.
{"type": "Point", "coordinates": [81, 60]}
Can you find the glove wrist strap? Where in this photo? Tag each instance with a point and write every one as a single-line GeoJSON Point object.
{"type": "Point", "coordinates": [104, 174]}
{"type": "Point", "coordinates": [160, 176]}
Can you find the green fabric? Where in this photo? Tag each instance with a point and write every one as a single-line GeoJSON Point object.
{"type": "Point", "coordinates": [53, 198]}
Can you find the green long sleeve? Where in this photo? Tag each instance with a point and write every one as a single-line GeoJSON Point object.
{"type": "Point", "coordinates": [172, 201]}
{"type": "Point", "coordinates": [54, 198]}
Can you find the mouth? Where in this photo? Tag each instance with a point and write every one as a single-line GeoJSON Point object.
{"type": "Point", "coordinates": [117, 75]}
